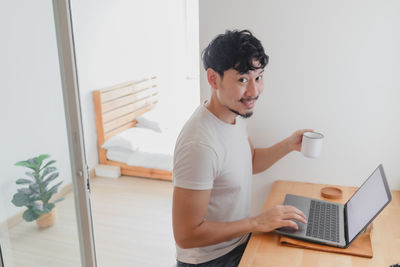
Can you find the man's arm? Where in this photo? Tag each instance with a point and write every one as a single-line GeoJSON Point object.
{"type": "Point", "coordinates": [263, 158]}
{"type": "Point", "coordinates": [189, 208]}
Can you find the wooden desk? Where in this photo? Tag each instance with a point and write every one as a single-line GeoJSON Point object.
{"type": "Point", "coordinates": [264, 249]}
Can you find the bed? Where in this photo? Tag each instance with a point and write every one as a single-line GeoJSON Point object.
{"type": "Point", "coordinates": [125, 137]}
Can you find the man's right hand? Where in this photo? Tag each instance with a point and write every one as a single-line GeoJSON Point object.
{"type": "Point", "coordinates": [276, 217]}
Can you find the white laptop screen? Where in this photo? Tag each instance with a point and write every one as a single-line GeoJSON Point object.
{"type": "Point", "coordinates": [369, 199]}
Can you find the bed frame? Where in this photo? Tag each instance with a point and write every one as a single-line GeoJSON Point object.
{"type": "Point", "coordinates": [116, 109]}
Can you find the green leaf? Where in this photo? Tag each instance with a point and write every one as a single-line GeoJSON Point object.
{"type": "Point", "coordinates": [54, 188]}
{"type": "Point", "coordinates": [51, 192]}
{"type": "Point", "coordinates": [37, 207]}
{"type": "Point", "coordinates": [39, 159]}
{"type": "Point", "coordinates": [27, 163]}
{"type": "Point", "coordinates": [21, 199]}
{"type": "Point", "coordinates": [48, 164]}
{"type": "Point", "coordinates": [46, 197]}
{"type": "Point", "coordinates": [32, 174]}
{"type": "Point", "coordinates": [50, 178]}
{"type": "Point", "coordinates": [33, 162]}
{"type": "Point", "coordinates": [23, 181]}
{"type": "Point", "coordinates": [35, 188]}
{"type": "Point", "coordinates": [48, 207]}
{"type": "Point", "coordinates": [35, 196]}
{"type": "Point", "coordinates": [29, 215]}
{"type": "Point", "coordinates": [47, 171]}
{"type": "Point", "coordinates": [42, 187]}
{"type": "Point", "coordinates": [25, 191]}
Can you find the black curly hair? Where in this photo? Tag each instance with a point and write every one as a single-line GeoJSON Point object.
{"type": "Point", "coordinates": [234, 49]}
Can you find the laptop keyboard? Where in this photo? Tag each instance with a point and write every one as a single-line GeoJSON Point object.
{"type": "Point", "coordinates": [323, 221]}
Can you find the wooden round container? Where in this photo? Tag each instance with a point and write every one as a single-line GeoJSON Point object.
{"type": "Point", "coordinates": [331, 192]}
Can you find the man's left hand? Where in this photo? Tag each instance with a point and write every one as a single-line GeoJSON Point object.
{"type": "Point", "coordinates": [294, 141]}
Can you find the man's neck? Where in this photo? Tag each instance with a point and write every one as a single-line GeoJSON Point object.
{"type": "Point", "coordinates": [220, 111]}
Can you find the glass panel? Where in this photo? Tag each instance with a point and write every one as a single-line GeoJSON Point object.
{"type": "Point", "coordinates": [33, 123]}
{"type": "Point", "coordinates": [129, 41]}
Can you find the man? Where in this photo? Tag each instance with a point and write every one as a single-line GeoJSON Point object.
{"type": "Point", "coordinates": [214, 160]}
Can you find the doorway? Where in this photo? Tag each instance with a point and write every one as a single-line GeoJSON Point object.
{"type": "Point", "coordinates": [117, 42]}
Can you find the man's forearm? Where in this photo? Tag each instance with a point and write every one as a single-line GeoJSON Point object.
{"type": "Point", "coordinates": [265, 157]}
{"type": "Point", "coordinates": [210, 233]}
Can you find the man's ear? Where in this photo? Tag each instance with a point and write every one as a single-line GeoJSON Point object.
{"type": "Point", "coordinates": [212, 78]}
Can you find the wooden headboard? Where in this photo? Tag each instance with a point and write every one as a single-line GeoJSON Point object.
{"type": "Point", "coordinates": [117, 107]}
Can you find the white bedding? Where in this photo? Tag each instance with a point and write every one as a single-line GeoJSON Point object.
{"type": "Point", "coordinates": [141, 159]}
{"type": "Point", "coordinates": [143, 148]}
{"type": "Point", "coordinates": [150, 144]}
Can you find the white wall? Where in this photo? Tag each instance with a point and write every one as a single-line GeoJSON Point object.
{"type": "Point", "coordinates": [119, 41]}
{"type": "Point", "coordinates": [334, 67]}
{"type": "Point", "coordinates": [31, 104]}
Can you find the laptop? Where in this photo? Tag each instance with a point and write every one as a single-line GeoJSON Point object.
{"type": "Point", "coordinates": [336, 224]}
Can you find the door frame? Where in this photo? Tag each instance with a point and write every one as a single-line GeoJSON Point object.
{"type": "Point", "coordinates": [71, 97]}
{"type": "Point", "coordinates": [1, 258]}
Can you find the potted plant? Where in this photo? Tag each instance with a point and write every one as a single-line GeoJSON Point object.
{"type": "Point", "coordinates": [36, 196]}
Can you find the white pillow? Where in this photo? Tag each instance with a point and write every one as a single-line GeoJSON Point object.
{"type": "Point", "coordinates": [155, 119]}
{"type": "Point", "coordinates": [132, 139]}
{"type": "Point", "coordinates": [144, 122]}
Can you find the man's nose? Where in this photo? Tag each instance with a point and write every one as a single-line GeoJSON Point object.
{"type": "Point", "coordinates": [252, 89]}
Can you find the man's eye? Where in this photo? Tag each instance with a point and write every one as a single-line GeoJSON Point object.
{"type": "Point", "coordinates": [258, 78]}
{"type": "Point", "coordinates": [242, 80]}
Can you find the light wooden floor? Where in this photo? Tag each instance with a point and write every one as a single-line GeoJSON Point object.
{"type": "Point", "coordinates": [133, 222]}
{"type": "Point", "coordinates": [132, 225]}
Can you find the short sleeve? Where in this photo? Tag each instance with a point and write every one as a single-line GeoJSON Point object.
{"type": "Point", "coordinates": [195, 166]}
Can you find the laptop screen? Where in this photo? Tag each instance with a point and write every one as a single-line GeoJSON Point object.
{"type": "Point", "coordinates": [367, 202]}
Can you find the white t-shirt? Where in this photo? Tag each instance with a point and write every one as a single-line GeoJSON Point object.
{"type": "Point", "coordinates": [212, 154]}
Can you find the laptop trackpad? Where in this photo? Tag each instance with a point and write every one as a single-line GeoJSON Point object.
{"type": "Point", "coordinates": [291, 230]}
{"type": "Point", "coordinates": [303, 205]}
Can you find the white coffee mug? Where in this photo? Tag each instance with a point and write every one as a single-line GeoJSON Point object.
{"type": "Point", "coordinates": [311, 144]}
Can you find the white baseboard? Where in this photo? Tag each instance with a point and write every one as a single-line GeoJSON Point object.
{"type": "Point", "coordinates": [107, 171]}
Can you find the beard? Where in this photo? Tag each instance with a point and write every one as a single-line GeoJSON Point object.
{"type": "Point", "coordinates": [245, 115]}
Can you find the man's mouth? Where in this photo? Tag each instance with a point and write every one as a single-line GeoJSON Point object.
{"type": "Point", "coordinates": [249, 102]}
